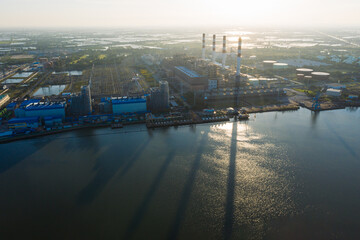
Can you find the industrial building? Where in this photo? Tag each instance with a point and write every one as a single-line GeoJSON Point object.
{"type": "Point", "coordinates": [26, 122]}
{"type": "Point", "coordinates": [333, 92]}
{"type": "Point", "coordinates": [81, 104]}
{"type": "Point", "coordinates": [159, 97]}
{"type": "Point", "coordinates": [335, 86]}
{"type": "Point", "coordinates": [41, 109]}
{"type": "Point", "coordinates": [321, 76]}
{"type": "Point", "coordinates": [105, 105]}
{"type": "Point", "coordinates": [191, 79]}
{"type": "Point", "coordinates": [269, 64]}
{"type": "Point", "coordinates": [128, 105]}
{"type": "Point", "coordinates": [212, 84]}
{"type": "Point", "coordinates": [52, 121]}
{"type": "Point", "coordinates": [280, 66]}
{"type": "Point", "coordinates": [304, 71]}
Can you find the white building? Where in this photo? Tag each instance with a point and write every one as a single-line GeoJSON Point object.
{"type": "Point", "coordinates": [333, 92]}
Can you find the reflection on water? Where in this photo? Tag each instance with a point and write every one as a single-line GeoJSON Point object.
{"type": "Point", "coordinates": [290, 174]}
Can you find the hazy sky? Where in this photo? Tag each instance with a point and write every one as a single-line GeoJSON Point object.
{"type": "Point", "coordinates": [188, 13]}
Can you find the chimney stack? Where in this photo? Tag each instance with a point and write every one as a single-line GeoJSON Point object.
{"type": "Point", "coordinates": [203, 46]}
{"type": "Point", "coordinates": [238, 60]}
{"type": "Point", "coordinates": [224, 52]}
{"type": "Point", "coordinates": [214, 48]}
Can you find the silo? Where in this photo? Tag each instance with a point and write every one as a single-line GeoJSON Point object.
{"type": "Point", "coordinates": [280, 66]}
{"type": "Point", "coordinates": [268, 64]}
{"type": "Point", "coordinates": [321, 76]}
{"type": "Point", "coordinates": [305, 71]}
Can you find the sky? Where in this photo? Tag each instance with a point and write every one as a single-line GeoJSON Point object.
{"type": "Point", "coordinates": [178, 13]}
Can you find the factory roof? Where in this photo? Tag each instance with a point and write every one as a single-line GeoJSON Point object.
{"type": "Point", "coordinates": [22, 120]}
{"type": "Point", "coordinates": [333, 90]}
{"type": "Point", "coordinates": [11, 105]}
{"type": "Point", "coordinates": [126, 100]}
{"type": "Point", "coordinates": [44, 106]}
{"type": "Point", "coordinates": [188, 72]}
{"type": "Point", "coordinates": [27, 102]}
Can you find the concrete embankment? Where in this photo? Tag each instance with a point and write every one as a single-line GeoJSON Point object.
{"type": "Point", "coordinates": [275, 108]}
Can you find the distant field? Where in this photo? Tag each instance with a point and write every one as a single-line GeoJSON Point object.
{"type": "Point", "coordinates": [82, 57]}
{"type": "Point", "coordinates": [102, 56]}
{"type": "Point", "coordinates": [22, 56]}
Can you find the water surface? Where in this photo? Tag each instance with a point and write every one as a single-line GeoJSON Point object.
{"type": "Point", "coordinates": [50, 90]}
{"type": "Point", "coordinates": [292, 175]}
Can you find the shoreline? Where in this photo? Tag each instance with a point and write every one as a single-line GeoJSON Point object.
{"type": "Point", "coordinates": [252, 110]}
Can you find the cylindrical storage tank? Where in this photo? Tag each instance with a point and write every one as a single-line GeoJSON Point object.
{"type": "Point", "coordinates": [300, 76]}
{"type": "Point", "coordinates": [280, 66]}
{"type": "Point", "coordinates": [305, 71]}
{"type": "Point", "coordinates": [268, 64]}
{"type": "Point", "coordinates": [321, 76]}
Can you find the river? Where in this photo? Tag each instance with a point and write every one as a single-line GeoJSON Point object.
{"type": "Point", "coordinates": [290, 175]}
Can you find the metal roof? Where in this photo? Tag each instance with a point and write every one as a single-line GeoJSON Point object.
{"type": "Point", "coordinates": [27, 102]}
{"type": "Point", "coordinates": [128, 100]}
{"type": "Point", "coordinates": [188, 72]}
{"type": "Point", "coordinates": [44, 106]}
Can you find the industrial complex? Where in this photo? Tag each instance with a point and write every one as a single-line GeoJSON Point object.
{"type": "Point", "coordinates": [159, 90]}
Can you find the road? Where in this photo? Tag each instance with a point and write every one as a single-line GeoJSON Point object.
{"type": "Point", "coordinates": [340, 39]}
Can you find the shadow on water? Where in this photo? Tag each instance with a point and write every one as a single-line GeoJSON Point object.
{"type": "Point", "coordinates": [106, 168]}
{"type": "Point", "coordinates": [85, 139]}
{"type": "Point", "coordinates": [185, 197]}
{"type": "Point", "coordinates": [15, 152]}
{"type": "Point", "coordinates": [132, 161]}
{"type": "Point", "coordinates": [136, 220]}
{"type": "Point", "coordinates": [314, 118]}
{"type": "Point", "coordinates": [342, 141]}
{"type": "Point", "coordinates": [230, 195]}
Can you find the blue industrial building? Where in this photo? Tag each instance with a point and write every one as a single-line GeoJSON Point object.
{"type": "Point", "coordinates": [41, 109]}
{"type": "Point", "coordinates": [52, 121]}
{"type": "Point", "coordinates": [128, 105]}
{"type": "Point", "coordinates": [26, 122]}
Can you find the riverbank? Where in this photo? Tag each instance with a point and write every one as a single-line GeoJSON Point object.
{"type": "Point", "coordinates": [274, 108]}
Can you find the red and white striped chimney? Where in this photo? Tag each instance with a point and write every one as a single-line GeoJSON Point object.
{"type": "Point", "coordinates": [224, 52]}
{"type": "Point", "coordinates": [238, 59]}
{"type": "Point", "coordinates": [203, 46]}
{"type": "Point", "coordinates": [214, 48]}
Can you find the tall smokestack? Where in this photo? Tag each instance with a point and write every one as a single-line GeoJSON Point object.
{"type": "Point", "coordinates": [203, 46]}
{"type": "Point", "coordinates": [214, 48]}
{"type": "Point", "coordinates": [224, 52]}
{"type": "Point", "coordinates": [238, 60]}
